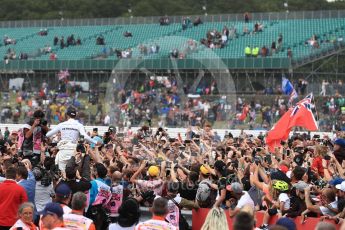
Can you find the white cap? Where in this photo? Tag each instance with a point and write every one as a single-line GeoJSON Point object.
{"type": "Point", "coordinates": [341, 186]}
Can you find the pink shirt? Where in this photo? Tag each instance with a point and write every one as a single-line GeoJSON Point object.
{"type": "Point", "coordinates": [155, 185]}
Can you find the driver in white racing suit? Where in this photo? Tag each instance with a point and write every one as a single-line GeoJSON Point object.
{"type": "Point", "coordinates": [70, 131]}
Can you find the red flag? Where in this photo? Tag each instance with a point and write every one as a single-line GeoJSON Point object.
{"type": "Point", "coordinates": [279, 132]}
{"type": "Point", "coordinates": [301, 115]}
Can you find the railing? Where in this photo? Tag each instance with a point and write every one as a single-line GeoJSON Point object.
{"type": "Point", "coordinates": [173, 132]}
{"type": "Point", "coordinates": [175, 19]}
{"type": "Point", "coordinates": [161, 63]}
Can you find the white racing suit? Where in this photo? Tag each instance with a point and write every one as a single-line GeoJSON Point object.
{"type": "Point", "coordinates": [70, 132]}
{"type": "Point", "coordinates": [66, 151]}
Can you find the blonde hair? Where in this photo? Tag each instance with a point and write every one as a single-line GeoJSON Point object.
{"type": "Point", "coordinates": [321, 150]}
{"type": "Point", "coordinates": [215, 219]}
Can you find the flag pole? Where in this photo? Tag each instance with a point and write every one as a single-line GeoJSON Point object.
{"type": "Point", "coordinates": [316, 113]}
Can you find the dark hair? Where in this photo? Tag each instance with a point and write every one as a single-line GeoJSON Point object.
{"type": "Point", "coordinates": [298, 172]}
{"type": "Point", "coordinates": [71, 173]}
{"type": "Point", "coordinates": [193, 177]}
{"type": "Point", "coordinates": [101, 170]}
{"type": "Point", "coordinates": [22, 172]}
{"type": "Point", "coordinates": [129, 213]}
{"type": "Point", "coordinates": [11, 173]}
{"type": "Point", "coordinates": [243, 221]}
{"type": "Point", "coordinates": [38, 114]}
{"type": "Point", "coordinates": [160, 206]}
{"type": "Point", "coordinates": [195, 168]}
{"type": "Point", "coordinates": [7, 163]}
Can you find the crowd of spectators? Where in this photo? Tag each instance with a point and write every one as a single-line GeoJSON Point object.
{"type": "Point", "coordinates": [199, 169]}
{"type": "Point", "coordinates": [43, 32]}
{"type": "Point", "coordinates": [164, 101]}
{"type": "Point", "coordinates": [188, 47]}
{"type": "Point", "coordinates": [9, 41]}
{"type": "Point", "coordinates": [71, 41]}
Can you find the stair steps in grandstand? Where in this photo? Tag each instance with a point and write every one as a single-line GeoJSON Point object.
{"type": "Point", "coordinates": [296, 33]}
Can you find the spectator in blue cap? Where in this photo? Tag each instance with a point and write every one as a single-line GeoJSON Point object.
{"type": "Point", "coordinates": [63, 195]}
{"type": "Point", "coordinates": [52, 216]}
{"type": "Point", "coordinates": [339, 150]}
{"type": "Point", "coordinates": [287, 223]}
{"type": "Point", "coordinates": [335, 181]}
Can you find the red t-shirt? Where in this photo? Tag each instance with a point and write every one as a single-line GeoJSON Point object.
{"type": "Point", "coordinates": [12, 196]}
{"type": "Point", "coordinates": [317, 166]}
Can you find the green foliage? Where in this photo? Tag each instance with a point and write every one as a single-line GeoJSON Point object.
{"type": "Point", "coordinates": [48, 9]}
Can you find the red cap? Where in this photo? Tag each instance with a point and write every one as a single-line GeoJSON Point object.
{"type": "Point", "coordinates": [283, 168]}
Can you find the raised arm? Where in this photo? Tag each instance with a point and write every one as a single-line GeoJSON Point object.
{"type": "Point", "coordinates": [86, 137]}
{"type": "Point", "coordinates": [54, 131]}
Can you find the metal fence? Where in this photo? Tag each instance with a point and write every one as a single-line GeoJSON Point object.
{"type": "Point", "coordinates": [161, 63]}
{"type": "Point", "coordinates": [175, 19]}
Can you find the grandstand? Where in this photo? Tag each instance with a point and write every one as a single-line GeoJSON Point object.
{"type": "Point", "coordinates": [296, 29]}
{"type": "Point", "coordinates": [233, 73]}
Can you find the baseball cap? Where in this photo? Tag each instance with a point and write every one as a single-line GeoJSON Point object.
{"type": "Point", "coordinates": [235, 187]}
{"type": "Point", "coordinates": [300, 185]}
{"type": "Point", "coordinates": [112, 129]}
{"type": "Point", "coordinates": [283, 168]}
{"type": "Point", "coordinates": [279, 175]}
{"type": "Point", "coordinates": [340, 142]}
{"type": "Point", "coordinates": [341, 186]}
{"type": "Point", "coordinates": [71, 111]}
{"type": "Point", "coordinates": [287, 223]}
{"type": "Point", "coordinates": [52, 208]}
{"type": "Point", "coordinates": [336, 181]}
{"type": "Point", "coordinates": [63, 190]}
{"type": "Point", "coordinates": [153, 171]}
{"type": "Point", "coordinates": [204, 170]}
{"type": "Point", "coordinates": [203, 192]}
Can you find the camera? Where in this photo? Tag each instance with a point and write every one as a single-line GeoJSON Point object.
{"type": "Point", "coordinates": [298, 160]}
{"type": "Point", "coordinates": [268, 159]}
{"type": "Point", "coordinates": [257, 160]}
{"type": "Point", "coordinates": [80, 145]}
{"type": "Point", "coordinates": [327, 158]}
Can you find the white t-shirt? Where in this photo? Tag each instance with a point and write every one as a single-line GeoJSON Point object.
{"type": "Point", "coordinates": [70, 131]}
{"type": "Point", "coordinates": [116, 226]}
{"type": "Point", "coordinates": [326, 211]}
{"type": "Point", "coordinates": [245, 200]}
{"type": "Point", "coordinates": [283, 197]}
{"type": "Point", "coordinates": [66, 209]}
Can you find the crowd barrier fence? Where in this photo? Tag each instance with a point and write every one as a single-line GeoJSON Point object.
{"type": "Point", "coordinates": [199, 216]}
{"type": "Point", "coordinates": [173, 132]}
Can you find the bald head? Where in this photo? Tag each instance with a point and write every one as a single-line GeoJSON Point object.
{"type": "Point", "coordinates": [116, 176]}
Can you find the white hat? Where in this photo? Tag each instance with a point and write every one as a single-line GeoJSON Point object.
{"type": "Point", "coordinates": [341, 186]}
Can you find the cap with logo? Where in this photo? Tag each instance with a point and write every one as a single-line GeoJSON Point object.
{"type": "Point", "coordinates": [52, 209]}
{"type": "Point", "coordinates": [71, 111]}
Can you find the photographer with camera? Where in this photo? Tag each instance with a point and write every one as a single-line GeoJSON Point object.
{"type": "Point", "coordinates": [70, 131]}
{"type": "Point", "coordinates": [31, 137]}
